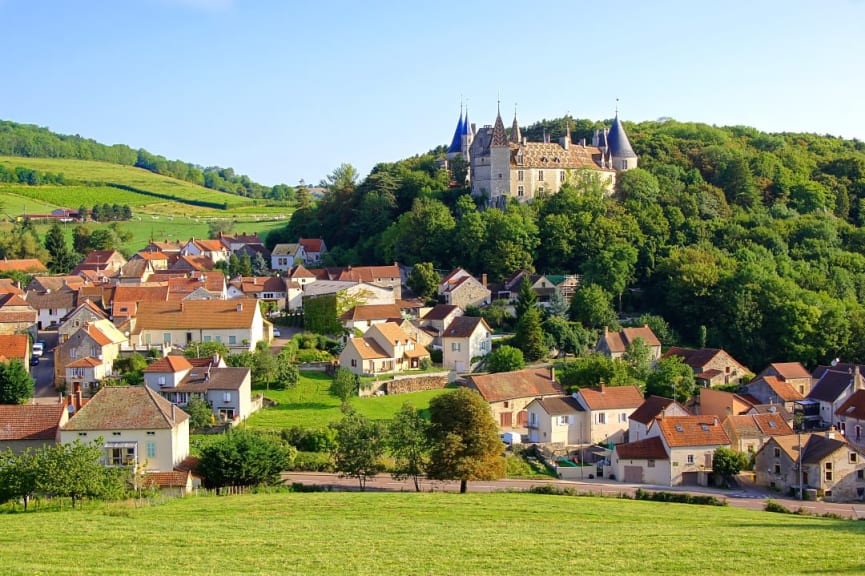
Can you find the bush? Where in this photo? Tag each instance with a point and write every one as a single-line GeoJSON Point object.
{"type": "Point", "coordinates": [436, 356]}
{"type": "Point", "coordinates": [305, 356]}
{"type": "Point", "coordinates": [678, 497]}
{"type": "Point", "coordinates": [312, 462]}
{"type": "Point", "coordinates": [310, 439]}
{"type": "Point", "coordinates": [772, 506]}
{"type": "Point", "coordinates": [425, 363]}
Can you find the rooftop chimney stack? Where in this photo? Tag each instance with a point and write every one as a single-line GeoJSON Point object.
{"type": "Point", "coordinates": [830, 433]}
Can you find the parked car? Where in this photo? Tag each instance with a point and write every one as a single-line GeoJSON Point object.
{"type": "Point", "coordinates": [276, 332]}
{"type": "Point", "coordinates": [38, 349]}
{"type": "Point", "coordinates": [34, 360]}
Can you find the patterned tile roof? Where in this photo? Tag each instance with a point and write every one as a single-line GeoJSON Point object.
{"type": "Point", "coordinates": [693, 431]}
{"type": "Point", "coordinates": [22, 265]}
{"type": "Point", "coordinates": [15, 346]}
{"type": "Point", "coordinates": [126, 408]}
{"type": "Point", "coordinates": [541, 155]}
{"type": "Point", "coordinates": [30, 421]}
{"type": "Point", "coordinates": [528, 383]}
{"type": "Point", "coordinates": [646, 449]}
{"type": "Point", "coordinates": [611, 397]}
{"type": "Point", "coordinates": [207, 314]}
{"type": "Point", "coordinates": [464, 326]}
{"type": "Point", "coordinates": [559, 405]}
{"type": "Point", "coordinates": [371, 312]}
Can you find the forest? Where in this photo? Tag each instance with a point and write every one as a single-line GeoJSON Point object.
{"type": "Point", "coordinates": [35, 142]}
{"type": "Point", "coordinates": [739, 239]}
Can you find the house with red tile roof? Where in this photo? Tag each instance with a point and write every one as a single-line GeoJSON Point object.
{"type": "Point", "coordinates": [464, 339]}
{"type": "Point", "coordinates": [15, 347]}
{"type": "Point", "coordinates": [384, 348]}
{"type": "Point", "coordinates": [642, 419]}
{"type": "Point", "coordinates": [608, 411]}
{"type": "Point", "coordinates": [462, 289]}
{"type": "Point", "coordinates": [271, 289]}
{"type": "Point", "coordinates": [711, 366]}
{"type": "Point", "coordinates": [86, 312]}
{"type": "Point", "coordinates": [10, 286]}
{"type": "Point", "coordinates": [358, 319]}
{"type": "Point", "coordinates": [645, 461]}
{"type": "Point", "coordinates": [192, 263]}
{"type": "Point", "coordinates": [213, 250]}
{"type": "Point", "coordinates": [791, 372]}
{"type": "Point", "coordinates": [313, 249]}
{"type": "Point", "coordinates": [749, 432]}
{"type": "Point", "coordinates": [158, 260]}
{"type": "Point", "coordinates": [850, 417]}
{"type": "Point", "coordinates": [99, 340]}
{"type": "Point", "coordinates": [721, 404]}
{"type": "Point", "coordinates": [615, 344]}
{"type": "Point", "coordinates": [16, 315]}
{"type": "Point", "coordinates": [30, 426]}
{"type": "Point", "coordinates": [26, 265]}
{"type": "Point", "coordinates": [769, 389]}
{"type": "Point", "coordinates": [139, 428]}
{"type": "Point", "coordinates": [510, 393]}
{"type": "Point", "coordinates": [109, 262]}
{"type": "Point", "coordinates": [388, 277]}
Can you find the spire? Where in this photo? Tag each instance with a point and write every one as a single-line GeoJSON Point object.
{"type": "Point", "coordinates": [467, 127]}
{"type": "Point", "coordinates": [455, 146]}
{"type": "Point", "coordinates": [500, 137]}
{"type": "Point", "coordinates": [617, 140]}
{"type": "Point", "coordinates": [516, 136]}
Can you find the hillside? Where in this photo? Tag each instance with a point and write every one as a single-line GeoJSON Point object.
{"type": "Point", "coordinates": [391, 533]}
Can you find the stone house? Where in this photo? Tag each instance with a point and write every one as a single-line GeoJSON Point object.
{"type": "Point", "coordinates": [510, 393]}
{"type": "Point", "coordinates": [830, 465]}
{"type": "Point", "coordinates": [465, 338]}
{"type": "Point", "coordinates": [654, 407]}
{"type": "Point", "coordinates": [749, 432]}
{"type": "Point", "coordinates": [851, 418]}
{"type": "Point", "coordinates": [608, 410]}
{"type": "Point", "coordinates": [462, 289]}
{"type": "Point", "coordinates": [711, 366]}
{"type": "Point", "coordinates": [615, 344]}
{"type": "Point", "coordinates": [384, 348]}
{"type": "Point", "coordinates": [85, 313]}
{"type": "Point", "coordinates": [17, 316]}
{"type": "Point", "coordinates": [99, 340]}
{"type": "Point", "coordinates": [556, 419]}
{"type": "Point", "coordinates": [139, 428]}
{"type": "Point", "coordinates": [792, 373]}
{"type": "Point", "coordinates": [832, 386]}
{"type": "Point", "coordinates": [437, 318]}
{"type": "Point", "coordinates": [773, 390]}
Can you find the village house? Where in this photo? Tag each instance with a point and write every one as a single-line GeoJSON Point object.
{"type": "Point", "coordinates": [721, 404]}
{"type": "Point", "coordinates": [358, 319]}
{"type": "Point", "coordinates": [158, 260]}
{"type": "Point", "coordinates": [237, 324]}
{"type": "Point", "coordinates": [25, 265]}
{"type": "Point", "coordinates": [388, 277]}
{"type": "Point", "coordinates": [851, 418]}
{"type": "Point", "coordinates": [314, 250]}
{"type": "Point", "coordinates": [615, 344]}
{"type": "Point", "coordinates": [792, 373]}
{"type": "Point", "coordinates": [348, 293]}
{"type": "Point", "coordinates": [832, 386]}
{"type": "Point", "coordinates": [774, 390]}
{"type": "Point", "coordinates": [749, 432]}
{"type": "Point", "coordinates": [124, 305]}
{"type": "Point", "coordinates": [557, 420]}
{"type": "Point", "coordinates": [608, 410]}
{"type": "Point", "coordinates": [831, 466]}
{"type": "Point", "coordinates": [286, 256]}
{"type": "Point", "coordinates": [86, 312]}
{"type": "Point", "coordinates": [384, 348]}
{"type": "Point", "coordinates": [213, 250]}
{"type": "Point", "coordinates": [270, 289]}
{"type": "Point", "coordinates": [465, 339]}
{"type": "Point", "coordinates": [51, 305]}
{"type": "Point", "coordinates": [437, 317]}
{"type": "Point", "coordinates": [239, 241]}
{"type": "Point", "coordinates": [190, 263]}
{"type": "Point", "coordinates": [99, 340]}
{"type": "Point", "coordinates": [462, 289]}
{"type": "Point", "coordinates": [136, 271]}
{"type": "Point", "coordinates": [139, 428]}
{"type": "Point", "coordinates": [711, 366]}
{"type": "Point", "coordinates": [645, 461]}
{"type": "Point", "coordinates": [510, 393]}
{"type": "Point", "coordinates": [654, 407]}
{"type": "Point", "coordinates": [15, 347]}
{"type": "Point", "coordinates": [182, 286]}
{"type": "Point", "coordinates": [17, 315]}
{"type": "Point", "coordinates": [106, 262]}
{"type": "Point", "coordinates": [31, 426]}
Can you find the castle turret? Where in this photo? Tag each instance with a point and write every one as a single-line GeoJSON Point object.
{"type": "Point", "coordinates": [456, 143]}
{"type": "Point", "coordinates": [619, 146]}
{"type": "Point", "coordinates": [500, 162]}
{"type": "Point", "coordinates": [516, 136]}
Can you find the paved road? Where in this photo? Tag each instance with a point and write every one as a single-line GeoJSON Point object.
{"type": "Point", "coordinates": [748, 499]}
{"type": "Point", "coordinates": [43, 373]}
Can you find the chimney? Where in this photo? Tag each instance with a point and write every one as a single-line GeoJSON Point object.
{"type": "Point", "coordinates": [172, 412]}
{"type": "Point", "coordinates": [830, 433]}
{"type": "Point", "coordinates": [215, 359]}
{"type": "Point", "coordinates": [553, 373]}
{"type": "Point", "coordinates": [240, 307]}
{"type": "Point", "coordinates": [484, 279]}
{"type": "Point", "coordinates": [603, 387]}
{"type": "Point", "coordinates": [76, 387]}
{"type": "Point", "coordinates": [714, 421]}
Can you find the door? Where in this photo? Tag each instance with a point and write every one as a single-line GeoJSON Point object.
{"type": "Point", "coordinates": [690, 478]}
{"type": "Point", "coordinates": [522, 418]}
{"type": "Point", "coordinates": [506, 419]}
{"type": "Point", "coordinates": [634, 474]}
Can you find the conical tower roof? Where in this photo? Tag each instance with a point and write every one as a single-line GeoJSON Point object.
{"type": "Point", "coordinates": [500, 137]}
{"type": "Point", "coordinates": [516, 135]}
{"type": "Point", "coordinates": [618, 142]}
{"type": "Point", "coordinates": [456, 146]}
{"type": "Point", "coordinates": [467, 127]}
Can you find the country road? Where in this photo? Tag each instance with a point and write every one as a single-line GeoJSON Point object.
{"type": "Point", "coordinates": [748, 499]}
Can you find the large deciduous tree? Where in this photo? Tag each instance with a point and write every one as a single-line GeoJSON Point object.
{"type": "Point", "coordinates": [16, 385]}
{"type": "Point", "coordinates": [671, 378]}
{"type": "Point", "coordinates": [423, 280]}
{"type": "Point", "coordinates": [75, 471]}
{"type": "Point", "coordinates": [505, 359]}
{"type": "Point", "coordinates": [244, 458]}
{"type": "Point", "coordinates": [408, 440]}
{"type": "Point", "coordinates": [591, 306]}
{"type": "Point", "coordinates": [360, 446]}
{"type": "Point", "coordinates": [465, 439]}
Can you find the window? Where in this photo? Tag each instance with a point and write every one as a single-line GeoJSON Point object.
{"type": "Point", "coordinates": [115, 433]}
{"type": "Point", "coordinates": [853, 458]}
{"type": "Point", "coordinates": [860, 474]}
{"type": "Point", "coordinates": [151, 433]}
{"type": "Point", "coordinates": [562, 176]}
{"type": "Point", "coordinates": [161, 380]}
{"type": "Point", "coordinates": [563, 420]}
{"type": "Point", "coordinates": [651, 464]}
{"type": "Point", "coordinates": [207, 338]}
{"type": "Point", "coordinates": [777, 453]}
{"type": "Point", "coordinates": [218, 338]}
{"type": "Point", "coordinates": [623, 417]}
{"type": "Point", "coordinates": [73, 353]}
{"type": "Point", "coordinates": [226, 397]}
{"type": "Point", "coordinates": [82, 433]}
{"type": "Point", "coordinates": [520, 175]}
{"type": "Point", "coordinates": [858, 432]}
{"type": "Point", "coordinates": [602, 418]}
{"type": "Point", "coordinates": [166, 337]}
{"type": "Point", "coordinates": [232, 340]}
{"type": "Point", "coordinates": [455, 346]}
{"type": "Point", "coordinates": [540, 175]}
{"type": "Point", "coordinates": [521, 190]}
{"type": "Point", "coordinates": [828, 471]}
{"type": "Point", "coordinates": [151, 449]}
{"type": "Point", "coordinates": [690, 458]}
{"type": "Point", "coordinates": [777, 469]}
{"type": "Point", "coordinates": [354, 362]}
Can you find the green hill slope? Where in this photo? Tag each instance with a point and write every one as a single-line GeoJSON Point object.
{"type": "Point", "coordinates": [392, 533]}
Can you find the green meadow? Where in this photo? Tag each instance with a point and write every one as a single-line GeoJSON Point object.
{"type": "Point", "coordinates": [428, 533]}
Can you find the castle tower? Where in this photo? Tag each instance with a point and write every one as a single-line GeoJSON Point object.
{"type": "Point", "coordinates": [516, 135]}
{"type": "Point", "coordinates": [456, 147]}
{"type": "Point", "coordinates": [619, 146]}
{"type": "Point", "coordinates": [467, 136]}
{"type": "Point", "coordinates": [500, 162]}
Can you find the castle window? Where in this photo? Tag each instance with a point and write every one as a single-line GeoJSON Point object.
{"type": "Point", "coordinates": [541, 175]}
{"type": "Point", "coordinates": [521, 191]}
{"type": "Point", "coordinates": [520, 175]}
{"type": "Point", "coordinates": [519, 158]}
{"type": "Point", "coordinates": [562, 176]}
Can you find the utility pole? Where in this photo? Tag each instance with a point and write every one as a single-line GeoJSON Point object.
{"type": "Point", "coordinates": [799, 419]}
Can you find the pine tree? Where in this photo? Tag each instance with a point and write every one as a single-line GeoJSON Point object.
{"type": "Point", "coordinates": [529, 336]}
{"type": "Point", "coordinates": [527, 298]}
{"type": "Point", "coordinates": [61, 259]}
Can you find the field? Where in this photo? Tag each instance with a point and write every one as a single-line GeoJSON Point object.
{"type": "Point", "coordinates": [429, 533]}
{"type": "Point", "coordinates": [310, 405]}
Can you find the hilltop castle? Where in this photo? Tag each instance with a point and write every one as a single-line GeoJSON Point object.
{"type": "Point", "coordinates": [503, 167]}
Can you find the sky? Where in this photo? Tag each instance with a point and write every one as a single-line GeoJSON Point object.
{"type": "Point", "coordinates": [289, 90]}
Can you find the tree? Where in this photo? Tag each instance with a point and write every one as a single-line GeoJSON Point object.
{"type": "Point", "coordinates": [75, 471]}
{"type": "Point", "coordinates": [727, 463]}
{"type": "Point", "coordinates": [529, 336]}
{"type": "Point", "coordinates": [672, 378]}
{"type": "Point", "coordinates": [16, 385]}
{"type": "Point", "coordinates": [345, 384]}
{"type": "Point", "coordinates": [200, 414]}
{"type": "Point", "coordinates": [287, 375]}
{"type": "Point", "coordinates": [61, 259]}
{"type": "Point", "coordinates": [465, 439]}
{"type": "Point", "coordinates": [526, 298]}
{"type": "Point", "coordinates": [81, 239]}
{"type": "Point", "coordinates": [206, 349]}
{"type": "Point", "coordinates": [215, 228]}
{"type": "Point", "coordinates": [568, 337]}
{"type": "Point", "coordinates": [245, 458]}
{"type": "Point", "coordinates": [260, 265]}
{"type": "Point", "coordinates": [408, 441]}
{"type": "Point", "coordinates": [18, 476]}
{"type": "Point", "coordinates": [505, 359]}
{"type": "Point", "coordinates": [558, 305]}
{"type": "Point", "coordinates": [360, 446]}
{"type": "Point", "coordinates": [591, 306]}
{"type": "Point", "coordinates": [423, 280]}
{"type": "Point", "coordinates": [638, 357]}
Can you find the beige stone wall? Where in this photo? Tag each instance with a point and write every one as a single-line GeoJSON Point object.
{"type": "Point", "coordinates": [416, 383]}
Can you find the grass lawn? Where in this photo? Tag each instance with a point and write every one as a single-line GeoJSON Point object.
{"type": "Point", "coordinates": [309, 404]}
{"type": "Point", "coordinates": [429, 533]}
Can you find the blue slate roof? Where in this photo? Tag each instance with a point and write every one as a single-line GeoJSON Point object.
{"type": "Point", "coordinates": [618, 142]}
{"type": "Point", "coordinates": [456, 143]}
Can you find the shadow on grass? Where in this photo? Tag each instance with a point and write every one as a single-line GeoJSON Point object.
{"type": "Point", "coordinates": [304, 406]}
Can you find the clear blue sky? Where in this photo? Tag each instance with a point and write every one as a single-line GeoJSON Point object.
{"type": "Point", "coordinates": [284, 90]}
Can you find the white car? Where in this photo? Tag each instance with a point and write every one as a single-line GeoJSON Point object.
{"type": "Point", "coordinates": [38, 349]}
{"type": "Point", "coordinates": [276, 332]}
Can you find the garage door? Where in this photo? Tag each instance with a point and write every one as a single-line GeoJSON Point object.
{"type": "Point", "coordinates": [690, 478]}
{"type": "Point", "coordinates": [634, 474]}
{"type": "Point", "coordinates": [506, 419]}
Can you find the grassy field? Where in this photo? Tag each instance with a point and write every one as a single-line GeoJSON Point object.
{"type": "Point", "coordinates": [429, 533]}
{"type": "Point", "coordinates": [310, 405]}
{"type": "Point", "coordinates": [89, 171]}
